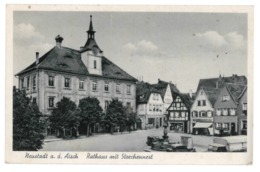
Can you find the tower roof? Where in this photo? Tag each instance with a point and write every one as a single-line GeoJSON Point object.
{"type": "Point", "coordinates": [90, 26]}
{"type": "Point", "coordinates": [91, 42]}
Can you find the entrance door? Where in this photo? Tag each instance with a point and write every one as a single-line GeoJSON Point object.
{"type": "Point", "coordinates": [233, 128]}
{"type": "Point", "coordinates": [160, 122]}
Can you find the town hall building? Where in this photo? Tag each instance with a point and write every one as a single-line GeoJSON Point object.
{"type": "Point", "coordinates": [76, 74]}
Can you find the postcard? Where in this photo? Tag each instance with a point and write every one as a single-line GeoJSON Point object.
{"type": "Point", "coordinates": [129, 84]}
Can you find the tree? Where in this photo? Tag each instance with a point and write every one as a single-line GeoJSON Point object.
{"type": "Point", "coordinates": [28, 123]}
{"type": "Point", "coordinates": [65, 116]}
{"type": "Point", "coordinates": [90, 112]}
{"type": "Point", "coordinates": [131, 118]}
{"type": "Point", "coordinates": [115, 115]}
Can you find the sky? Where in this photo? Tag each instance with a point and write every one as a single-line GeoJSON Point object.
{"type": "Point", "coordinates": [178, 47]}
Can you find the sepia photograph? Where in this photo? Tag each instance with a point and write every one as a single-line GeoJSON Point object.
{"type": "Point", "coordinates": [135, 84]}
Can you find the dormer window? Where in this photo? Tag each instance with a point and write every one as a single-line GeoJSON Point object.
{"type": "Point", "coordinates": [225, 98]}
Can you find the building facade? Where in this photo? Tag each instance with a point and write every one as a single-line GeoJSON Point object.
{"type": "Point", "coordinates": [179, 113]}
{"type": "Point", "coordinates": [202, 111]}
{"type": "Point", "coordinates": [151, 112]}
{"type": "Point", "coordinates": [152, 103]}
{"type": "Point", "coordinates": [242, 113]}
{"type": "Point", "coordinates": [226, 109]}
{"type": "Point", "coordinates": [65, 72]}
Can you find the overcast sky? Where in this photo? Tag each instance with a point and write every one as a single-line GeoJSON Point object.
{"type": "Point", "coordinates": [177, 47]}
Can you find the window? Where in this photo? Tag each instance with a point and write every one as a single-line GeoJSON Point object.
{"type": "Point", "coordinates": [94, 86]}
{"type": "Point", "coordinates": [81, 84]}
{"type": "Point", "coordinates": [150, 107]}
{"type": "Point", "coordinates": [198, 102]}
{"type": "Point", "coordinates": [128, 90]}
{"type": "Point", "coordinates": [34, 83]}
{"type": "Point", "coordinates": [51, 80]}
{"type": "Point", "coordinates": [183, 114]}
{"type": "Point", "coordinates": [177, 105]}
{"type": "Point", "coordinates": [209, 114]}
{"type": "Point", "coordinates": [171, 115]}
{"type": "Point", "coordinates": [118, 88]}
{"type": "Point", "coordinates": [244, 124]}
{"type": "Point", "coordinates": [218, 125]}
{"type": "Point", "coordinates": [177, 114]}
{"type": "Point", "coordinates": [225, 98]}
{"type": "Point", "coordinates": [67, 82]}
{"type": "Point", "coordinates": [195, 114]}
{"type": "Point", "coordinates": [232, 112]}
{"type": "Point", "coordinates": [203, 102]}
{"type": "Point", "coordinates": [225, 112]}
{"type": "Point", "coordinates": [150, 120]}
{"type": "Point", "coordinates": [95, 64]}
{"type": "Point", "coordinates": [34, 100]}
{"type": "Point", "coordinates": [225, 125]}
{"type": "Point", "coordinates": [106, 87]}
{"type": "Point", "coordinates": [244, 106]}
{"type": "Point", "coordinates": [28, 82]}
{"type": "Point", "coordinates": [51, 102]}
{"type": "Point", "coordinates": [218, 112]}
{"type": "Point", "coordinates": [203, 114]}
{"type": "Point", "coordinates": [107, 102]}
{"type": "Point", "coordinates": [22, 83]}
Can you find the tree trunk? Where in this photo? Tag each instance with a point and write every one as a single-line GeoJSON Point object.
{"type": "Point", "coordinates": [111, 129]}
{"type": "Point", "coordinates": [87, 130]}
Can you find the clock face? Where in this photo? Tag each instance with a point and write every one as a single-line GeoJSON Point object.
{"type": "Point", "coordinates": [95, 50]}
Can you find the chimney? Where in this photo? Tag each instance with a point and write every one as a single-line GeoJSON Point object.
{"type": "Point", "coordinates": [59, 40]}
{"type": "Point", "coordinates": [81, 48]}
{"type": "Point", "coordinates": [190, 93]}
{"type": "Point", "coordinates": [37, 58]}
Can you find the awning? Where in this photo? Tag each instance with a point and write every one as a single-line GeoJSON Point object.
{"type": "Point", "coordinates": [202, 125]}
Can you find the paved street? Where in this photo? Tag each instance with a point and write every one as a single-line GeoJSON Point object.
{"type": "Point", "coordinates": [126, 142]}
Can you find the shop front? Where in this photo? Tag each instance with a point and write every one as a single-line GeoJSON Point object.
{"type": "Point", "coordinates": [179, 126]}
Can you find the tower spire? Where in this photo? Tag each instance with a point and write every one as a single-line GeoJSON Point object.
{"type": "Point", "coordinates": [91, 32]}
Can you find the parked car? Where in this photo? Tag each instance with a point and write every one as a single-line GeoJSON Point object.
{"type": "Point", "coordinates": [179, 148]}
{"type": "Point", "coordinates": [229, 144]}
{"type": "Point", "coordinates": [215, 147]}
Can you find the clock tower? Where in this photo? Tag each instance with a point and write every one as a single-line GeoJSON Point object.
{"type": "Point", "coordinates": [91, 54]}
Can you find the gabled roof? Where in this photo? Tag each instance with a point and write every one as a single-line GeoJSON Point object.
{"type": "Point", "coordinates": [235, 91]}
{"type": "Point", "coordinates": [68, 60]}
{"type": "Point", "coordinates": [60, 59]}
{"type": "Point", "coordinates": [212, 94]}
{"type": "Point", "coordinates": [161, 86]}
{"type": "Point", "coordinates": [143, 92]}
{"type": "Point", "coordinates": [186, 99]}
{"type": "Point", "coordinates": [111, 70]}
{"type": "Point", "coordinates": [212, 82]}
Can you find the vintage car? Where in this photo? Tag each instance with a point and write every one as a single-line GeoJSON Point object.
{"type": "Point", "coordinates": [180, 148]}
{"type": "Point", "coordinates": [229, 144]}
{"type": "Point", "coordinates": [215, 147]}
